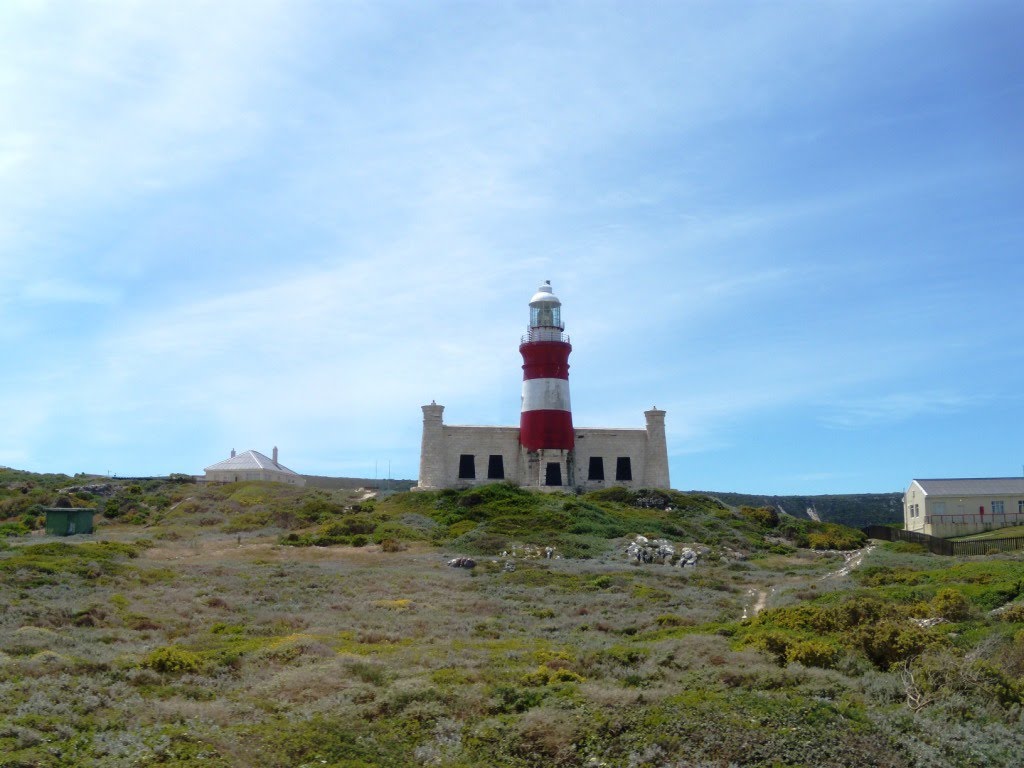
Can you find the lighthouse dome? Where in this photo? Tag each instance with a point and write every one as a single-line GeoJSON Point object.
{"type": "Point", "coordinates": [544, 295]}
{"type": "Point", "coordinates": [546, 312]}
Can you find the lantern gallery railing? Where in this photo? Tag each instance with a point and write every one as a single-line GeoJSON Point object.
{"type": "Point", "coordinates": [544, 334]}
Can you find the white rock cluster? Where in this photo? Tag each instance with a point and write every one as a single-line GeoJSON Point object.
{"type": "Point", "coordinates": [531, 552]}
{"type": "Point", "coordinates": [644, 550]}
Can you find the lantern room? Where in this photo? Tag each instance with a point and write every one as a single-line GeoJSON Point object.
{"type": "Point", "coordinates": [545, 315]}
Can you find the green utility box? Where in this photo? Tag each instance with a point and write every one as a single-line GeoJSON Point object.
{"type": "Point", "coordinates": [68, 522]}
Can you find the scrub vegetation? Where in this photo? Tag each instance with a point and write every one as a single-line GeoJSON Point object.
{"type": "Point", "coordinates": [254, 624]}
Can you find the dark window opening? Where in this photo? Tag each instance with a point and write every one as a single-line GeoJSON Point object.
{"type": "Point", "coordinates": [495, 467]}
{"type": "Point", "coordinates": [596, 468]}
{"type": "Point", "coordinates": [553, 475]}
{"type": "Point", "coordinates": [623, 470]}
{"type": "Point", "coordinates": [467, 467]}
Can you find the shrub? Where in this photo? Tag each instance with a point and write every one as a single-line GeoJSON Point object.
{"type": "Point", "coordinates": [509, 698]}
{"type": "Point", "coordinates": [814, 653]}
{"type": "Point", "coordinates": [1013, 614]}
{"type": "Point", "coordinates": [545, 675]}
{"type": "Point", "coordinates": [810, 533]}
{"type": "Point", "coordinates": [172, 659]}
{"type": "Point", "coordinates": [602, 582]}
{"type": "Point", "coordinates": [890, 642]}
{"type": "Point", "coordinates": [617, 493]}
{"type": "Point", "coordinates": [13, 529]}
{"type": "Point", "coordinates": [353, 525]}
{"type": "Point", "coordinates": [951, 605]}
{"type": "Point", "coordinates": [765, 516]}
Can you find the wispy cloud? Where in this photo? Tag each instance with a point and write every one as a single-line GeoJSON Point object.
{"type": "Point", "coordinates": [897, 407]}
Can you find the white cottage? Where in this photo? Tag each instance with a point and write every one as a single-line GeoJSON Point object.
{"type": "Point", "coordinates": [962, 506]}
{"type": "Point", "coordinates": [252, 465]}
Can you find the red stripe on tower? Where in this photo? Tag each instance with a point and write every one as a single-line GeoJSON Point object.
{"type": "Point", "coordinates": [546, 418]}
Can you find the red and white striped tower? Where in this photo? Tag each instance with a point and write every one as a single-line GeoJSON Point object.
{"type": "Point", "coordinates": [546, 419]}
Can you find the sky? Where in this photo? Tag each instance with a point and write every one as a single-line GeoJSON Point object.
{"type": "Point", "coordinates": [796, 226]}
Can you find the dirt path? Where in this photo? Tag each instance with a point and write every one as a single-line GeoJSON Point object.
{"type": "Point", "coordinates": [757, 599]}
{"type": "Point", "coordinates": [760, 601]}
{"type": "Point", "coordinates": [853, 560]}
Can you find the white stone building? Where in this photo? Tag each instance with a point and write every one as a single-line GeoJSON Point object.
{"type": "Point", "coordinates": [545, 451]}
{"type": "Point", "coordinates": [252, 465]}
{"type": "Point", "coordinates": [962, 506]}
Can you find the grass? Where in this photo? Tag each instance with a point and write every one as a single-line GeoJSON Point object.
{"type": "Point", "coordinates": [1000, 533]}
{"type": "Point", "coordinates": [181, 642]}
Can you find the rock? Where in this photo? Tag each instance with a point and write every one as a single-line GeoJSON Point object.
{"type": "Point", "coordinates": [462, 562]}
{"type": "Point", "coordinates": [730, 554]}
{"type": "Point", "coordinates": [644, 550]}
{"type": "Point", "coordinates": [688, 558]}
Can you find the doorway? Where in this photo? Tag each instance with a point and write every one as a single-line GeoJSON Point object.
{"type": "Point", "coordinates": [553, 474]}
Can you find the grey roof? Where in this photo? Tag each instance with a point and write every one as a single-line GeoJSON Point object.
{"type": "Point", "coordinates": [974, 486]}
{"type": "Point", "coordinates": [249, 460]}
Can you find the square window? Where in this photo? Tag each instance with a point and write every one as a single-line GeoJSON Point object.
{"type": "Point", "coordinates": [997, 507]}
{"type": "Point", "coordinates": [596, 468]}
{"type": "Point", "coordinates": [495, 467]}
{"type": "Point", "coordinates": [623, 469]}
{"type": "Point", "coordinates": [467, 467]}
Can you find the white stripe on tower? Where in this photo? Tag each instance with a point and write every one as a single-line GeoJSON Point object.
{"type": "Point", "coordinates": [546, 395]}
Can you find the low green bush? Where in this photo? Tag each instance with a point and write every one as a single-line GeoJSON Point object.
{"type": "Point", "coordinates": [13, 529]}
{"type": "Point", "coordinates": [951, 605]}
{"type": "Point", "coordinates": [172, 659]}
{"type": "Point", "coordinates": [814, 653]}
{"type": "Point", "coordinates": [764, 516]}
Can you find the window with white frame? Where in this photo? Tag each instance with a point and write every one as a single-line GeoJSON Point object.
{"type": "Point", "coordinates": [1020, 507]}
{"type": "Point", "coordinates": [997, 507]}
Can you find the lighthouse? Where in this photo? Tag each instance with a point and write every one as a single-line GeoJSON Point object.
{"type": "Point", "coordinates": [545, 422]}
{"type": "Point", "coordinates": [546, 451]}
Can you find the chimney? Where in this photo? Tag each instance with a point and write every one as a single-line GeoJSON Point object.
{"type": "Point", "coordinates": [232, 453]}
{"type": "Point", "coordinates": [275, 454]}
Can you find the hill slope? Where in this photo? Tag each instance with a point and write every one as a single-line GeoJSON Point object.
{"type": "Point", "coordinates": [184, 633]}
{"type": "Point", "coordinates": [854, 509]}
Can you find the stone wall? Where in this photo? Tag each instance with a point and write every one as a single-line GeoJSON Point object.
{"type": "Point", "coordinates": [240, 475]}
{"type": "Point", "coordinates": [460, 456]}
{"type": "Point", "coordinates": [610, 447]}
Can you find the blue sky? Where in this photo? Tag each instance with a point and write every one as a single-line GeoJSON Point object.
{"type": "Point", "coordinates": [796, 226]}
